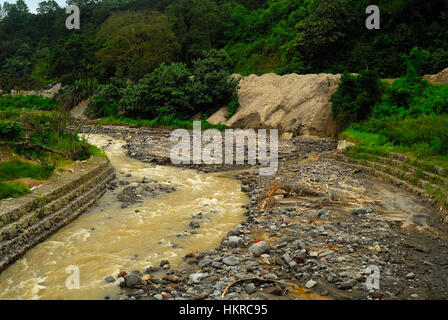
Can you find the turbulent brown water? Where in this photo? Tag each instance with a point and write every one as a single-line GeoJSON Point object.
{"type": "Point", "coordinates": [107, 239]}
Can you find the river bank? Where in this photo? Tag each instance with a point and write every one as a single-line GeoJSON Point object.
{"type": "Point", "coordinates": [313, 237]}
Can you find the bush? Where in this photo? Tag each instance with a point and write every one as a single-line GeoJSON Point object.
{"type": "Point", "coordinates": [10, 130]}
{"type": "Point", "coordinates": [106, 100]}
{"type": "Point", "coordinates": [13, 189]}
{"type": "Point", "coordinates": [355, 98]}
{"type": "Point", "coordinates": [170, 90]}
{"type": "Point", "coordinates": [425, 135]}
{"type": "Point", "coordinates": [213, 87]}
{"type": "Point", "coordinates": [233, 106]}
{"type": "Point", "coordinates": [166, 90]}
{"type": "Point", "coordinates": [16, 169]}
{"type": "Point", "coordinates": [26, 102]}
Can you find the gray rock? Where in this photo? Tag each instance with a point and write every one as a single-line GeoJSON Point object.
{"type": "Point", "coordinates": [133, 279]}
{"type": "Point", "coordinates": [236, 241]}
{"type": "Point", "coordinates": [259, 248]}
{"type": "Point", "coordinates": [326, 253]}
{"type": "Point", "coordinates": [347, 284]}
{"type": "Point", "coordinates": [235, 231]}
{"type": "Point", "coordinates": [231, 260]}
{"type": "Point", "coordinates": [310, 284]}
{"type": "Point", "coordinates": [220, 286]}
{"type": "Point", "coordinates": [158, 296]}
{"type": "Point", "coordinates": [410, 275]}
{"type": "Point", "coordinates": [286, 258]}
{"type": "Point", "coordinates": [250, 288]}
{"type": "Point", "coordinates": [360, 211]}
{"type": "Point", "coordinates": [196, 277]}
{"type": "Point", "coordinates": [109, 279]}
{"type": "Point", "coordinates": [205, 263]}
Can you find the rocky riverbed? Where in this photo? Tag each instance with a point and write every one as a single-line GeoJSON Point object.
{"type": "Point", "coordinates": [311, 232]}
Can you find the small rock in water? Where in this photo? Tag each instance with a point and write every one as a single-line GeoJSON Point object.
{"type": "Point", "coordinates": [109, 279]}
{"type": "Point", "coordinates": [194, 225]}
{"type": "Point", "coordinates": [163, 263]}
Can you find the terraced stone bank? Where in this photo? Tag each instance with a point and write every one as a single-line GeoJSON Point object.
{"type": "Point", "coordinates": [430, 182]}
{"type": "Point", "coordinates": [31, 219]}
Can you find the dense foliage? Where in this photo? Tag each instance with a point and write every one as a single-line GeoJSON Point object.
{"type": "Point", "coordinates": [169, 90]}
{"type": "Point", "coordinates": [130, 38]}
{"type": "Point", "coordinates": [410, 115]}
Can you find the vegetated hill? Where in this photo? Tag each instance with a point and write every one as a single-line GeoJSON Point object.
{"type": "Point", "coordinates": [118, 37]}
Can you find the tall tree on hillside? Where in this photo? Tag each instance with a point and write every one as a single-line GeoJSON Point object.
{"type": "Point", "coordinates": [134, 43]}
{"type": "Point", "coordinates": [46, 7]}
{"type": "Point", "coordinates": [74, 59]}
{"type": "Point", "coordinates": [195, 26]}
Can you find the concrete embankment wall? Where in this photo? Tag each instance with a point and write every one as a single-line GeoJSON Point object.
{"type": "Point", "coordinates": [28, 220]}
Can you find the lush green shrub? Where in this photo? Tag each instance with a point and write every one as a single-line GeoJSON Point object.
{"type": "Point", "coordinates": [170, 90]}
{"type": "Point", "coordinates": [166, 90]}
{"type": "Point", "coordinates": [233, 106]}
{"type": "Point", "coordinates": [412, 96]}
{"type": "Point", "coordinates": [426, 135]}
{"type": "Point", "coordinates": [355, 98]}
{"type": "Point", "coordinates": [105, 102]}
{"type": "Point", "coordinates": [26, 102]}
{"type": "Point", "coordinates": [16, 169]}
{"type": "Point", "coordinates": [10, 130]}
{"type": "Point", "coordinates": [13, 189]}
{"type": "Point", "coordinates": [212, 85]}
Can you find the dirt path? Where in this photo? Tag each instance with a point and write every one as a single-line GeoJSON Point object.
{"type": "Point", "coordinates": [324, 225]}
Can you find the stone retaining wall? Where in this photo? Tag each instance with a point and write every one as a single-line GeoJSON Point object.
{"type": "Point", "coordinates": [394, 174]}
{"type": "Point", "coordinates": [28, 220]}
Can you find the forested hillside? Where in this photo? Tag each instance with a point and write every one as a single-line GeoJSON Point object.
{"type": "Point", "coordinates": [129, 38]}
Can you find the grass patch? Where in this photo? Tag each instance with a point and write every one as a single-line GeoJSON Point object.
{"type": "Point", "coordinates": [33, 102]}
{"type": "Point", "coordinates": [17, 169]}
{"type": "Point", "coordinates": [13, 189]}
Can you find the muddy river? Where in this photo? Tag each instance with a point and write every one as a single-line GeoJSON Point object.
{"type": "Point", "coordinates": [108, 238]}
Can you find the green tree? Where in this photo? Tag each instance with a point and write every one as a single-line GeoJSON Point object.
{"type": "Point", "coordinates": [134, 43]}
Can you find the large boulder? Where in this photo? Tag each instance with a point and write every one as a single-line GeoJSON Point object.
{"type": "Point", "coordinates": [291, 103]}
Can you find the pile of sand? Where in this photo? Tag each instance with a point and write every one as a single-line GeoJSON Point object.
{"type": "Point", "coordinates": [297, 104]}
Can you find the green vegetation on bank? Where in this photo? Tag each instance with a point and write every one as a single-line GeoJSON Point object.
{"type": "Point", "coordinates": [171, 94]}
{"type": "Point", "coordinates": [408, 116]}
{"type": "Point", "coordinates": [26, 102]}
{"type": "Point", "coordinates": [13, 189]}
{"type": "Point", "coordinates": [43, 138]}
